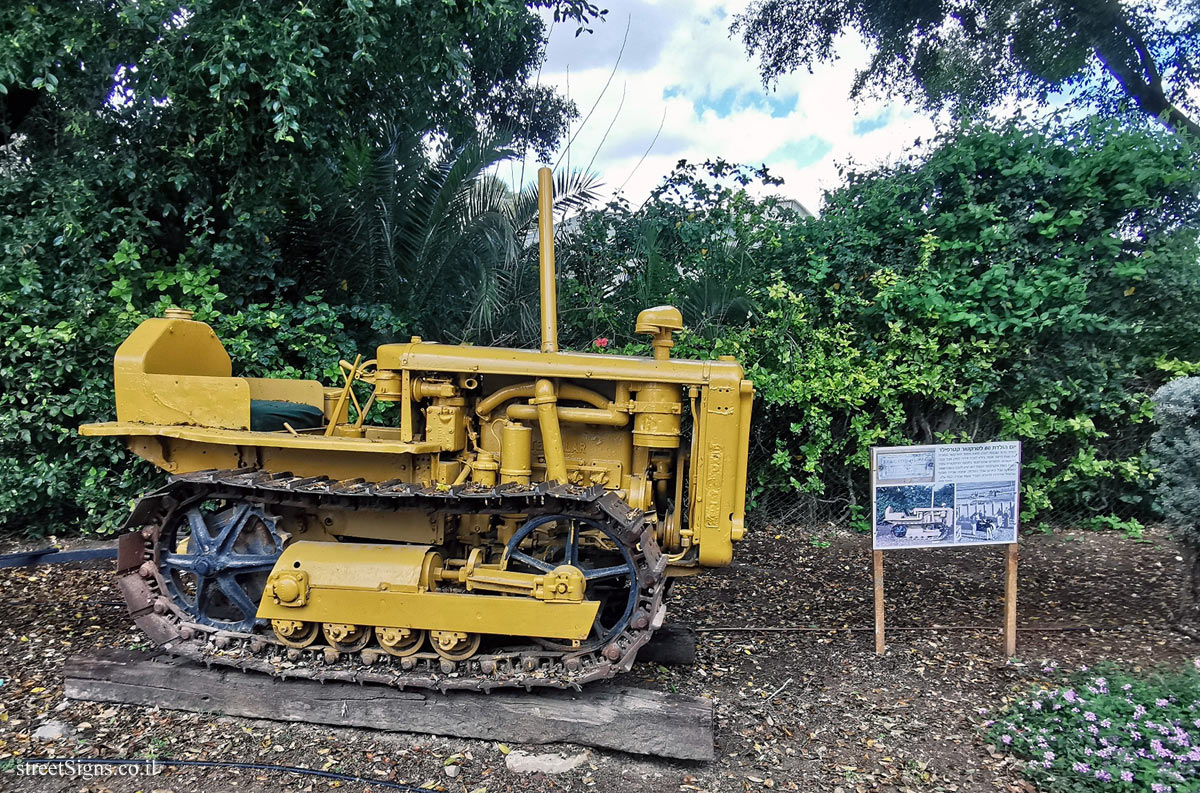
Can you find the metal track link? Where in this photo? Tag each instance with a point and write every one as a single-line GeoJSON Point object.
{"type": "Point", "coordinates": [520, 665]}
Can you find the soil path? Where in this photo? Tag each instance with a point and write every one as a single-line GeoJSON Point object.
{"type": "Point", "coordinates": [811, 710]}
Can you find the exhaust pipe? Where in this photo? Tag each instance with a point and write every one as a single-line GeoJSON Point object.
{"type": "Point", "coordinates": [546, 260]}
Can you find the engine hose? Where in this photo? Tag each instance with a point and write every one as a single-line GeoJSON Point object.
{"type": "Point", "coordinates": [290, 769]}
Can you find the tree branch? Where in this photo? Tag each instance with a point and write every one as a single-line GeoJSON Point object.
{"type": "Point", "coordinates": [1144, 84]}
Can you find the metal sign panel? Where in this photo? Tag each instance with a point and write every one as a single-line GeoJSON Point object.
{"type": "Point", "coordinates": [948, 495]}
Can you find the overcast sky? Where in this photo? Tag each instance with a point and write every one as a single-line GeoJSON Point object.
{"type": "Point", "coordinates": [679, 60]}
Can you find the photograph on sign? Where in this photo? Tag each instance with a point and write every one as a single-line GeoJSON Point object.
{"type": "Point", "coordinates": [986, 511]}
{"type": "Point", "coordinates": [945, 496]}
{"type": "Point", "coordinates": [905, 467]}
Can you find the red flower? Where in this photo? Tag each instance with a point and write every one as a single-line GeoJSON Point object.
{"type": "Point", "coordinates": [601, 342]}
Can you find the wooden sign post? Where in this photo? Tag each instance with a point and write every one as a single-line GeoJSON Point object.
{"type": "Point", "coordinates": [1010, 601]}
{"type": "Point", "coordinates": [879, 642]}
{"type": "Point", "coordinates": [946, 496]}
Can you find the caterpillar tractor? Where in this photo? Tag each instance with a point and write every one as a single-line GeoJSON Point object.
{"type": "Point", "coordinates": [515, 522]}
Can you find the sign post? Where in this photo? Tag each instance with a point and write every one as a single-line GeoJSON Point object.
{"type": "Point", "coordinates": [1010, 601]}
{"type": "Point", "coordinates": [946, 496]}
{"type": "Point", "coordinates": [879, 642]}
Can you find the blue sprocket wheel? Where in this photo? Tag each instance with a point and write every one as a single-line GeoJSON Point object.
{"type": "Point", "coordinates": [214, 559]}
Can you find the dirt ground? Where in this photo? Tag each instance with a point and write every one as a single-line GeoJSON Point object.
{"type": "Point", "coordinates": [811, 710]}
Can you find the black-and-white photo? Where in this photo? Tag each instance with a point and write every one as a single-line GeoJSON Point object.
{"type": "Point", "coordinates": [986, 512]}
{"type": "Point", "coordinates": [914, 516]}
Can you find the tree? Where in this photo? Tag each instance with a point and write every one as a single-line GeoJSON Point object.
{"type": "Point", "coordinates": [443, 241]}
{"type": "Point", "coordinates": [155, 153]}
{"type": "Point", "coordinates": [208, 123]}
{"type": "Point", "coordinates": [971, 54]}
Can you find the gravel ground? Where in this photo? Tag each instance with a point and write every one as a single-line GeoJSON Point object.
{"type": "Point", "coordinates": [811, 709]}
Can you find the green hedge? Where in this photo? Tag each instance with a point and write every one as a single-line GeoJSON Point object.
{"type": "Point", "coordinates": [1005, 282]}
{"type": "Point", "coordinates": [1001, 283]}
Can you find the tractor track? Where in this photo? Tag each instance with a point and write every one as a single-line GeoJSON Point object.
{"type": "Point", "coordinates": [515, 666]}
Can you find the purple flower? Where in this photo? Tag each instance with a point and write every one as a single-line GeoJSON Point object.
{"type": "Point", "coordinates": [1106, 724]}
{"type": "Point", "coordinates": [1160, 750]}
{"type": "Point", "coordinates": [1126, 776]}
{"type": "Point", "coordinates": [1069, 695]}
{"type": "Point", "coordinates": [1158, 787]}
{"type": "Point", "coordinates": [1081, 768]}
{"type": "Point", "coordinates": [1089, 716]}
{"type": "Point", "coordinates": [1138, 712]}
{"type": "Point", "coordinates": [1127, 686]}
{"type": "Point", "coordinates": [1103, 776]}
{"type": "Point", "coordinates": [1036, 704]}
{"type": "Point", "coordinates": [1049, 755]}
{"type": "Point", "coordinates": [1162, 703]}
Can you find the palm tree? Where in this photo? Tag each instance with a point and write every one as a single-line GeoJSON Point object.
{"type": "Point", "coordinates": [440, 238]}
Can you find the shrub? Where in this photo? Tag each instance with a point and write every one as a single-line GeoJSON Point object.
{"type": "Point", "coordinates": [1003, 282]}
{"type": "Point", "coordinates": [1175, 450]}
{"type": "Point", "coordinates": [56, 361]}
{"type": "Point", "coordinates": [1108, 730]}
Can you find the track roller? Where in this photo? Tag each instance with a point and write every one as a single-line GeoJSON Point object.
{"type": "Point", "coordinates": [401, 642]}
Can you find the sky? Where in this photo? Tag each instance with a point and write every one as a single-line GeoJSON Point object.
{"type": "Point", "coordinates": [681, 70]}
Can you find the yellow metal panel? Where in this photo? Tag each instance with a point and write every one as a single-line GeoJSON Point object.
{"type": "Point", "coordinates": [720, 462]}
{"type": "Point", "coordinates": [356, 565]}
{"type": "Point", "coordinates": [175, 371]}
{"type": "Point", "coordinates": [205, 401]}
{"type": "Point", "coordinates": [370, 584]}
{"type": "Point", "coordinates": [431, 357]}
{"type": "Point", "coordinates": [279, 440]}
{"type": "Point", "coordinates": [501, 615]}
{"type": "Point", "coordinates": [173, 346]}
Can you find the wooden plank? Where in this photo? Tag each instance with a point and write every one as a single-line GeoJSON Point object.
{"type": "Point", "coordinates": [1010, 601]}
{"type": "Point", "coordinates": [609, 716]}
{"type": "Point", "coordinates": [878, 568]}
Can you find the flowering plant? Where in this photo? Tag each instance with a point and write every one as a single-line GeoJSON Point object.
{"type": "Point", "coordinates": [1108, 730]}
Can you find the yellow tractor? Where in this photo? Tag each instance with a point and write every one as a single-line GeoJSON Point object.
{"type": "Point", "coordinates": [515, 524]}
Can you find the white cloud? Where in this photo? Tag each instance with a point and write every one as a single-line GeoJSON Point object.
{"type": "Point", "coordinates": [680, 60]}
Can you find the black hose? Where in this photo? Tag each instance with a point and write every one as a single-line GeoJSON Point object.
{"type": "Point", "coordinates": [290, 769]}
